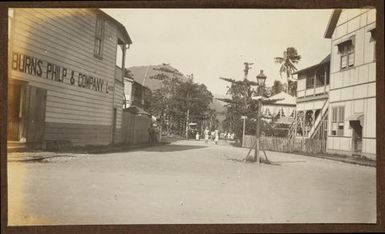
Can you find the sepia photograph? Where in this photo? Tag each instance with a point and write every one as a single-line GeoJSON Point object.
{"type": "Point", "coordinates": [191, 116]}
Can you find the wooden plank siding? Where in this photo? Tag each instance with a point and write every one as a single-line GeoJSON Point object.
{"type": "Point", "coordinates": [66, 37]}
{"type": "Point", "coordinates": [78, 134]}
{"type": "Point", "coordinates": [354, 88]}
{"type": "Point", "coordinates": [135, 128]}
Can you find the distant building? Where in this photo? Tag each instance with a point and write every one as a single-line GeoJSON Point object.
{"type": "Point", "coordinates": [312, 100]}
{"type": "Point", "coordinates": [280, 113]}
{"type": "Point", "coordinates": [128, 80]}
{"type": "Point", "coordinates": [65, 77]}
{"type": "Point", "coordinates": [285, 106]}
{"type": "Point", "coordinates": [140, 95]}
{"type": "Point", "coordinates": [352, 95]}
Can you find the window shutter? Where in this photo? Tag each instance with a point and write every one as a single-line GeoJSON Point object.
{"type": "Point", "coordinates": [351, 59]}
{"type": "Point", "coordinates": [341, 114]}
{"type": "Point", "coordinates": [344, 61]}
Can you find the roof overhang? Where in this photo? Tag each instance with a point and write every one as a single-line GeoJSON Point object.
{"type": "Point", "coordinates": [356, 116]}
{"type": "Point", "coordinates": [332, 23]}
{"type": "Point", "coordinates": [326, 60]}
{"type": "Point", "coordinates": [344, 41]}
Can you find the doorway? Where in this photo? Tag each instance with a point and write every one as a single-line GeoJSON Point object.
{"type": "Point", "coordinates": [26, 113]}
{"type": "Point", "coordinates": [357, 136]}
{"type": "Point", "coordinates": [16, 111]}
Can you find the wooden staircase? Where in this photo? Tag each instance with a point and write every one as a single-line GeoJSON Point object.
{"type": "Point", "coordinates": [320, 124]}
{"type": "Point", "coordinates": [320, 120]}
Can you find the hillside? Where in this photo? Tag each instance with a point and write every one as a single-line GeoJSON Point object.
{"type": "Point", "coordinates": [143, 74]}
{"type": "Point", "coordinates": [217, 105]}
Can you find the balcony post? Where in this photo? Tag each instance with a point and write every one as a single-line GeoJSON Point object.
{"type": "Point", "coordinates": [325, 74]}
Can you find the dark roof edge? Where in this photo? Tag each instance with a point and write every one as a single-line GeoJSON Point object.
{"type": "Point", "coordinates": [120, 26]}
{"type": "Point", "coordinates": [332, 23]}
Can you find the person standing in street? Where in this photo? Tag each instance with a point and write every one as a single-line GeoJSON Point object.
{"type": "Point", "coordinates": [216, 137]}
{"type": "Point", "coordinates": [206, 133]}
{"type": "Point", "coordinates": [150, 135]}
{"type": "Point", "coordinates": [197, 136]}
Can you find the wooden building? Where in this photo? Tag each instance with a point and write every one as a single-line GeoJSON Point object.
{"type": "Point", "coordinates": [352, 95]}
{"type": "Point", "coordinates": [285, 106]}
{"type": "Point", "coordinates": [312, 100]}
{"type": "Point", "coordinates": [65, 77]}
{"type": "Point", "coordinates": [280, 113]}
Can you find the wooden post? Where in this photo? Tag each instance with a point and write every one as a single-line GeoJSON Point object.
{"type": "Point", "coordinates": [243, 133]}
{"type": "Point", "coordinates": [257, 133]}
{"type": "Point", "coordinates": [325, 74]}
{"type": "Point", "coordinates": [295, 123]}
{"type": "Point", "coordinates": [314, 82]}
{"type": "Point", "coordinates": [187, 120]}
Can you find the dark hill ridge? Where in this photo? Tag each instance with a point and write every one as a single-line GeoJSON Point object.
{"type": "Point", "coordinates": [217, 105]}
{"type": "Point", "coordinates": [143, 74]}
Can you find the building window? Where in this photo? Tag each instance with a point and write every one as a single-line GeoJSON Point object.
{"type": "Point", "coordinates": [99, 35]}
{"type": "Point", "coordinates": [346, 50]}
{"type": "Point", "coordinates": [309, 82]}
{"type": "Point", "coordinates": [338, 119]}
{"type": "Point", "coordinates": [119, 55]}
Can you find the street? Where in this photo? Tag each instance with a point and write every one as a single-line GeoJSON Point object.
{"type": "Point", "coordinates": [189, 182]}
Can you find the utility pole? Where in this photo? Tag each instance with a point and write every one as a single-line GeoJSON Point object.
{"type": "Point", "coordinates": [257, 132]}
{"type": "Point", "coordinates": [244, 128]}
{"type": "Point", "coordinates": [187, 122]}
{"type": "Point", "coordinates": [247, 68]}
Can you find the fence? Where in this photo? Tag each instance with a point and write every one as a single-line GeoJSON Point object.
{"type": "Point", "coordinates": [135, 128]}
{"type": "Point", "coordinates": [305, 145]}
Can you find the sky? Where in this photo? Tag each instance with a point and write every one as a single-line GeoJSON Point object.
{"type": "Point", "coordinates": [213, 43]}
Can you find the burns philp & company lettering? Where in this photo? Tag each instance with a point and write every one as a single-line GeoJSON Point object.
{"type": "Point", "coordinates": [90, 82]}
{"type": "Point", "coordinates": [27, 64]}
{"type": "Point", "coordinates": [34, 66]}
{"type": "Point", "coordinates": [55, 72]}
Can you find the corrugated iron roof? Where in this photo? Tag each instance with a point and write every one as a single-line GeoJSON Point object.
{"type": "Point", "coordinates": [283, 99]}
{"type": "Point", "coordinates": [324, 61]}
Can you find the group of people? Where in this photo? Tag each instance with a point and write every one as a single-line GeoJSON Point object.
{"type": "Point", "coordinates": [214, 135]}
{"type": "Point", "coordinates": [228, 136]}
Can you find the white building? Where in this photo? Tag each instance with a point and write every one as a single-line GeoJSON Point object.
{"type": "Point", "coordinates": [352, 95]}
{"type": "Point", "coordinates": [312, 100]}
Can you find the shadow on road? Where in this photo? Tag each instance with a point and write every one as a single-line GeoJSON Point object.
{"type": "Point", "coordinates": [263, 160]}
{"type": "Point", "coordinates": [172, 148]}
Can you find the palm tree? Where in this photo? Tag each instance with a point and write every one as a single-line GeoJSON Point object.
{"type": "Point", "coordinates": [290, 57]}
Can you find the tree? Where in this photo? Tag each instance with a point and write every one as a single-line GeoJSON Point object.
{"type": "Point", "coordinates": [277, 87]}
{"type": "Point", "coordinates": [287, 61]}
{"type": "Point", "coordinates": [241, 104]}
{"type": "Point", "coordinates": [193, 100]}
{"type": "Point", "coordinates": [178, 102]}
{"type": "Point", "coordinates": [162, 98]}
